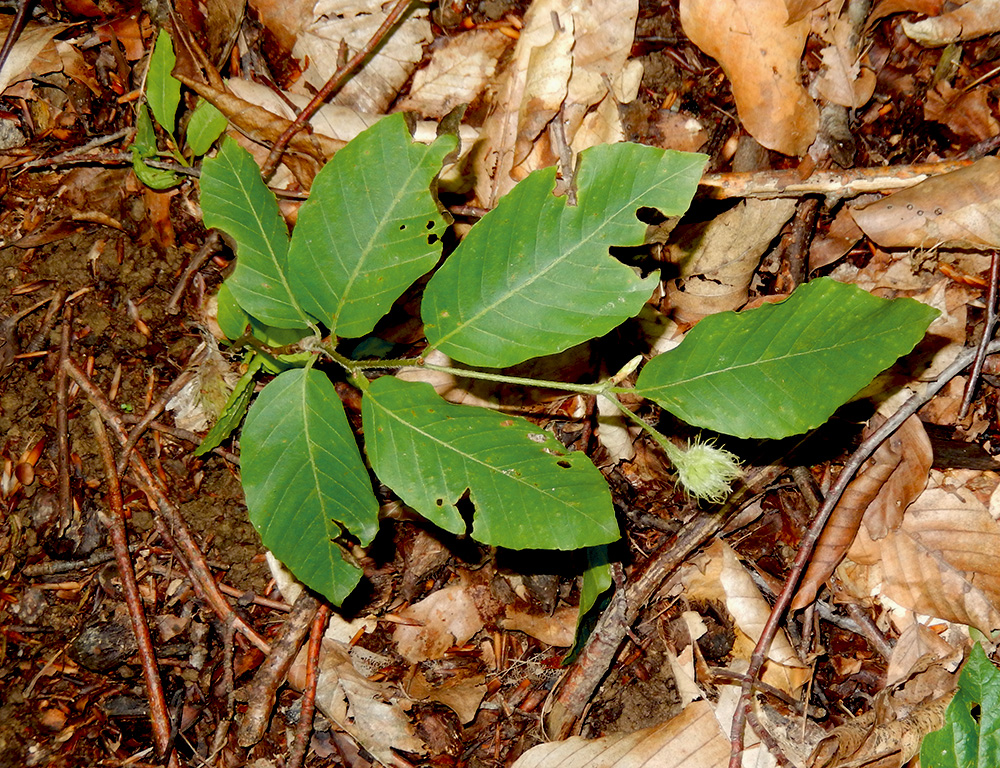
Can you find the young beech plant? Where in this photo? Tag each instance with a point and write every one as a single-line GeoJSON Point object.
{"type": "Point", "coordinates": [534, 277]}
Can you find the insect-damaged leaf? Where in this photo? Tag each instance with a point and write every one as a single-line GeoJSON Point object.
{"type": "Point", "coordinates": [527, 489]}
{"type": "Point", "coordinates": [535, 276]}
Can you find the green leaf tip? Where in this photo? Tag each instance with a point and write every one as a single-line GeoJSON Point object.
{"type": "Point", "coordinates": [783, 369]}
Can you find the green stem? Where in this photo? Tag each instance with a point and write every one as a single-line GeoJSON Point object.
{"type": "Point", "coordinates": [356, 366]}
{"type": "Point", "coordinates": [675, 454]}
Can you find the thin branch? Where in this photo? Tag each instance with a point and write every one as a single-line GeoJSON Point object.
{"type": "Point", "coordinates": [333, 84]}
{"type": "Point", "coordinates": [989, 328]}
{"type": "Point", "coordinates": [297, 754]}
{"type": "Point", "coordinates": [115, 522]}
{"type": "Point", "coordinates": [201, 576]}
{"type": "Point", "coordinates": [858, 458]}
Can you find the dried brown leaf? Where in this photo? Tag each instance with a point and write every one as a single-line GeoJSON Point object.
{"type": "Point", "coordinates": [960, 210]}
{"type": "Point", "coordinates": [967, 113]}
{"type": "Point", "coordinates": [974, 19]}
{"type": "Point", "coordinates": [718, 259]}
{"type": "Point", "coordinates": [693, 739]}
{"type": "Point", "coordinates": [760, 52]}
{"type": "Point", "coordinates": [907, 481]}
{"type": "Point", "coordinates": [845, 520]}
{"type": "Point", "coordinates": [943, 561]}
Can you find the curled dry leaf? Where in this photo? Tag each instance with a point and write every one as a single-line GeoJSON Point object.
{"type": "Point", "coordinates": [718, 259]}
{"type": "Point", "coordinates": [718, 575]}
{"type": "Point", "coordinates": [457, 73]}
{"type": "Point", "coordinates": [974, 19]}
{"type": "Point", "coordinates": [693, 739]}
{"type": "Point", "coordinates": [376, 83]}
{"type": "Point", "coordinates": [760, 53]}
{"type": "Point", "coordinates": [942, 561]}
{"type": "Point", "coordinates": [374, 714]}
{"type": "Point", "coordinates": [842, 79]}
{"type": "Point", "coordinates": [958, 210]}
{"type": "Point", "coordinates": [907, 481]}
{"type": "Point", "coordinates": [967, 114]}
{"type": "Point", "coordinates": [442, 619]}
{"type": "Point", "coordinates": [845, 520]}
{"type": "Point", "coordinates": [900, 717]}
{"type": "Point", "coordinates": [594, 56]}
{"type": "Point", "coordinates": [33, 45]}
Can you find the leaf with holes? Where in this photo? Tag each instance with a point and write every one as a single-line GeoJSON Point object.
{"type": "Point", "coordinates": [783, 369]}
{"type": "Point", "coordinates": [536, 277]}
{"type": "Point", "coordinates": [527, 489]}
{"type": "Point", "coordinates": [371, 226]}
{"type": "Point", "coordinates": [971, 734]}
{"type": "Point", "coordinates": [305, 481]}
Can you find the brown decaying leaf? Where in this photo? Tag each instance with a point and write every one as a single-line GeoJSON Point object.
{"type": "Point", "coordinates": [760, 53]}
{"type": "Point", "coordinates": [34, 41]}
{"type": "Point", "coordinates": [942, 561]}
{"type": "Point", "coordinates": [959, 210]}
{"type": "Point", "coordinates": [718, 259]}
{"type": "Point", "coordinates": [889, 481]}
{"type": "Point", "coordinates": [967, 113]}
{"type": "Point", "coordinates": [889, 7]}
{"type": "Point", "coordinates": [373, 713]}
{"type": "Point", "coordinates": [974, 19]}
{"type": "Point", "coordinates": [890, 733]}
{"type": "Point", "coordinates": [693, 739]}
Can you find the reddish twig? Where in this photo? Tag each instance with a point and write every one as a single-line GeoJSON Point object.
{"type": "Point", "coordinates": [62, 419]}
{"type": "Point", "coordinates": [222, 730]}
{"type": "Point", "coordinates": [334, 83]}
{"type": "Point", "coordinates": [156, 409]}
{"type": "Point", "coordinates": [210, 246]}
{"type": "Point", "coordinates": [263, 691]}
{"type": "Point", "coordinates": [182, 434]}
{"type": "Point", "coordinates": [115, 522]}
{"type": "Point", "coordinates": [989, 328]}
{"type": "Point", "coordinates": [201, 577]}
{"type": "Point", "coordinates": [803, 229]}
{"type": "Point", "coordinates": [297, 754]}
{"type": "Point", "coordinates": [857, 459]}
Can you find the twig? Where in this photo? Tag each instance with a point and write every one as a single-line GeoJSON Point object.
{"type": "Point", "coordinates": [222, 730]}
{"type": "Point", "coordinates": [989, 328]}
{"type": "Point", "coordinates": [210, 246]}
{"type": "Point", "coordinates": [334, 83]}
{"type": "Point", "coordinates": [201, 577]}
{"type": "Point", "coordinates": [157, 408]}
{"type": "Point", "coordinates": [263, 690]}
{"type": "Point", "coordinates": [75, 155]}
{"type": "Point", "coordinates": [803, 229]}
{"type": "Point", "coordinates": [847, 183]}
{"type": "Point", "coordinates": [181, 434]}
{"type": "Point", "coordinates": [297, 754]}
{"type": "Point", "coordinates": [115, 522]}
{"type": "Point", "coordinates": [569, 699]}
{"type": "Point", "coordinates": [858, 458]}
{"type": "Point", "coordinates": [62, 419]}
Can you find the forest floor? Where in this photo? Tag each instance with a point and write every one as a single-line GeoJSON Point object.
{"type": "Point", "coordinates": [107, 287]}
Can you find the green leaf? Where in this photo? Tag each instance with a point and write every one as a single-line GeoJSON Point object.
{"type": "Point", "coordinates": [154, 178]}
{"type": "Point", "coordinates": [528, 491]}
{"type": "Point", "coordinates": [535, 276]}
{"type": "Point", "coordinates": [971, 734]}
{"type": "Point", "coordinates": [206, 125]}
{"type": "Point", "coordinates": [232, 412]}
{"type": "Point", "coordinates": [163, 92]}
{"type": "Point", "coordinates": [234, 199]}
{"type": "Point", "coordinates": [230, 316]}
{"type": "Point", "coordinates": [144, 143]}
{"type": "Point", "coordinates": [783, 369]}
{"type": "Point", "coordinates": [596, 579]}
{"type": "Point", "coordinates": [305, 481]}
{"type": "Point", "coordinates": [370, 228]}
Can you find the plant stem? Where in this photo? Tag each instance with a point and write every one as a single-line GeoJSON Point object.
{"type": "Point", "coordinates": [357, 366]}
{"type": "Point", "coordinates": [675, 454]}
